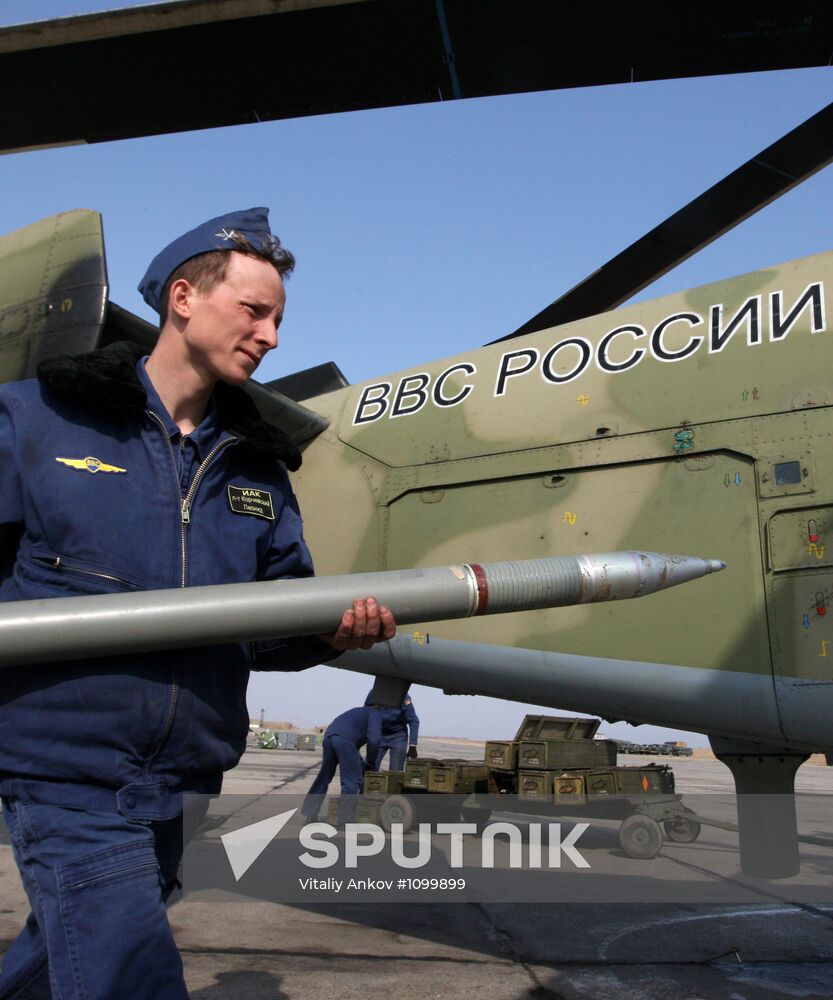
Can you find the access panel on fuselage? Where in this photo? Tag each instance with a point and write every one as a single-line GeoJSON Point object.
{"type": "Point", "coordinates": [702, 505]}
{"type": "Point", "coordinates": [802, 612]}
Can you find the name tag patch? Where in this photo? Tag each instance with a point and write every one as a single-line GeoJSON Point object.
{"type": "Point", "coordinates": [245, 500]}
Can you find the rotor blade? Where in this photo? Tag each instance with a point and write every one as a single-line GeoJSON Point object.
{"type": "Point", "coordinates": [88, 78]}
{"type": "Point", "coordinates": [774, 171]}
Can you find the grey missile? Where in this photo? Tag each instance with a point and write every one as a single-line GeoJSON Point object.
{"type": "Point", "coordinates": [71, 628]}
{"type": "Point", "coordinates": [726, 702]}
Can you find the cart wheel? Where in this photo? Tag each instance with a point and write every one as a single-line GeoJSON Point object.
{"type": "Point", "coordinates": [475, 814]}
{"type": "Point", "coordinates": [640, 836]}
{"type": "Point", "coordinates": [682, 829]}
{"type": "Point", "coordinates": [397, 809]}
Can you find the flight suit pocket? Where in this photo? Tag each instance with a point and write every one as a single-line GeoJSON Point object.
{"type": "Point", "coordinates": [114, 920]}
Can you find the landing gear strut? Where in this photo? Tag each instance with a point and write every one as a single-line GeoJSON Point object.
{"type": "Point", "coordinates": [765, 785]}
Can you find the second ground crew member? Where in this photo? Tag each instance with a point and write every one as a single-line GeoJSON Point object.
{"type": "Point", "coordinates": [400, 733]}
{"type": "Point", "coordinates": [343, 739]}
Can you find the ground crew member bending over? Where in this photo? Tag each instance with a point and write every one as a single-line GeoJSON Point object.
{"type": "Point", "coordinates": [400, 732]}
{"type": "Point", "coordinates": [118, 473]}
{"type": "Point", "coordinates": [343, 739]}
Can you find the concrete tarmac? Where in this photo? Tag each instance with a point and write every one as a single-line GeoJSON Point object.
{"type": "Point", "coordinates": [766, 947]}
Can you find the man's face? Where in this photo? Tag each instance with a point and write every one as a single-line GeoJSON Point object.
{"type": "Point", "coordinates": [233, 326]}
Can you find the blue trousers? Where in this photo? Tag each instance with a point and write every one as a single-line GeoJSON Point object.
{"type": "Point", "coordinates": [398, 746]}
{"type": "Point", "coordinates": [340, 753]}
{"type": "Point", "coordinates": [96, 884]}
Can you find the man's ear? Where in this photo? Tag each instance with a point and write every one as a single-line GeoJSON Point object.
{"type": "Point", "coordinates": [180, 296]}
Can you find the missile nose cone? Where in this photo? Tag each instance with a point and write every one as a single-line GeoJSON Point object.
{"type": "Point", "coordinates": [714, 565]}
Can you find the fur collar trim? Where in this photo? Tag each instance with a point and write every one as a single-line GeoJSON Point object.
{"type": "Point", "coordinates": [105, 381]}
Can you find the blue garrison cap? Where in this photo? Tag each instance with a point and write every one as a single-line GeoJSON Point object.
{"type": "Point", "coordinates": [216, 234]}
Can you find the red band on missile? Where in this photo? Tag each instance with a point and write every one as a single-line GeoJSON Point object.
{"type": "Point", "coordinates": [482, 588]}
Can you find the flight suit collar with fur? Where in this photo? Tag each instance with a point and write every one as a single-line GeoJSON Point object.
{"type": "Point", "coordinates": [105, 381]}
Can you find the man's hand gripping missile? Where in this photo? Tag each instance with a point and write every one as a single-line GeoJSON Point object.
{"type": "Point", "coordinates": [362, 626]}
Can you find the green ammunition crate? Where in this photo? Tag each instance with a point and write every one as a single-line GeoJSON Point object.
{"type": "Point", "coordinates": [562, 755]}
{"type": "Point", "coordinates": [442, 779]}
{"type": "Point", "coordinates": [601, 782]}
{"type": "Point", "coordinates": [459, 777]}
{"type": "Point", "coordinates": [568, 789]}
{"type": "Point", "coordinates": [416, 771]}
{"type": "Point", "coordinates": [502, 754]}
{"type": "Point", "coordinates": [645, 780]}
{"type": "Point", "coordinates": [380, 784]}
{"type": "Point", "coordinates": [557, 727]}
{"type": "Point", "coordinates": [535, 785]}
{"type": "Point", "coordinates": [367, 810]}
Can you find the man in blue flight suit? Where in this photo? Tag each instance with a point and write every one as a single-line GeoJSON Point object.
{"type": "Point", "coordinates": [120, 472]}
{"type": "Point", "coordinates": [400, 733]}
{"type": "Point", "coordinates": [343, 739]}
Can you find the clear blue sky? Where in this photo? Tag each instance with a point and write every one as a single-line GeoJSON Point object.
{"type": "Point", "coordinates": [23, 11]}
{"type": "Point", "coordinates": [421, 232]}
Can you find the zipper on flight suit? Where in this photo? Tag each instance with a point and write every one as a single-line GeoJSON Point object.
{"type": "Point", "coordinates": [184, 521]}
{"type": "Point", "coordinates": [59, 563]}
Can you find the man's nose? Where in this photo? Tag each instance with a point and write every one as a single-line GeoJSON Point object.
{"type": "Point", "coordinates": [266, 333]}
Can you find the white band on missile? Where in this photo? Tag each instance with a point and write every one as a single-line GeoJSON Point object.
{"type": "Point", "coordinates": [474, 593]}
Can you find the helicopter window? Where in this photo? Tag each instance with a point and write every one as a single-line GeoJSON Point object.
{"type": "Point", "coordinates": [787, 473]}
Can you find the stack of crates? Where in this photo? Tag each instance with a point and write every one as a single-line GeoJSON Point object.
{"type": "Point", "coordinates": [544, 746]}
{"type": "Point", "coordinates": [552, 759]}
{"type": "Point", "coordinates": [286, 739]}
{"type": "Point", "coordinates": [557, 760]}
{"type": "Point", "coordinates": [502, 762]}
{"type": "Point", "coordinates": [429, 774]}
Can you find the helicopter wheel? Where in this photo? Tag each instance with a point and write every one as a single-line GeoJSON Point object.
{"type": "Point", "coordinates": [640, 836]}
